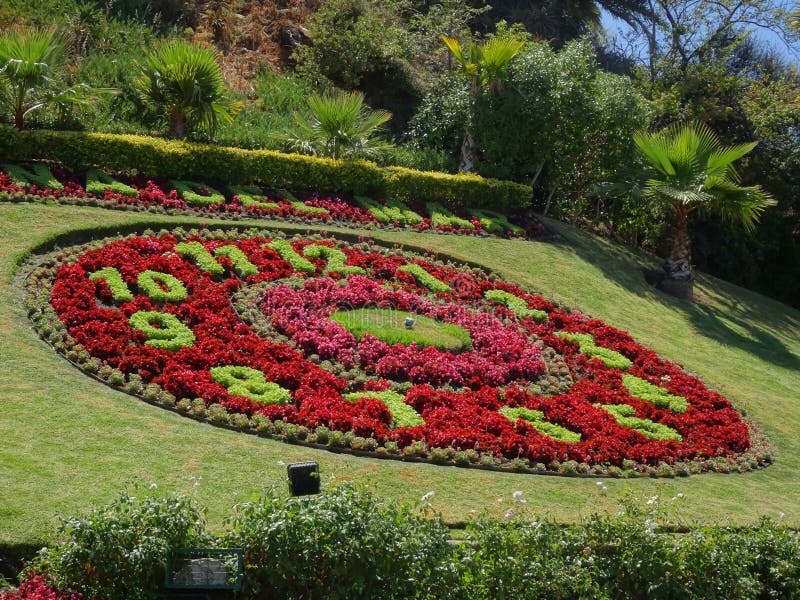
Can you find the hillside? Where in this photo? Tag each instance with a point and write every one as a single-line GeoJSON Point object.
{"type": "Point", "coordinates": [70, 441]}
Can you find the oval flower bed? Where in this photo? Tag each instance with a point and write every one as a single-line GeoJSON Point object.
{"type": "Point", "coordinates": [306, 340]}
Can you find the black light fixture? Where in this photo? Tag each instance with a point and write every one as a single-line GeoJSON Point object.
{"type": "Point", "coordinates": [303, 478]}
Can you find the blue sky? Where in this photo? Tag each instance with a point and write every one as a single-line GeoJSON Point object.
{"type": "Point", "coordinates": [613, 25]}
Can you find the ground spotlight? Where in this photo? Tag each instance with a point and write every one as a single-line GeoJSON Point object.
{"type": "Point", "coordinates": [303, 478]}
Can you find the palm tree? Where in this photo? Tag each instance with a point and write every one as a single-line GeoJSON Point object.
{"type": "Point", "coordinates": [338, 125]}
{"type": "Point", "coordinates": [484, 67]}
{"type": "Point", "coordinates": [184, 82]}
{"type": "Point", "coordinates": [691, 171]}
{"type": "Point", "coordinates": [29, 61]}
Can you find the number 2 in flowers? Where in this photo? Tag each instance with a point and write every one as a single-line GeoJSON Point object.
{"type": "Point", "coordinates": [119, 289]}
{"type": "Point", "coordinates": [250, 383]}
{"type": "Point", "coordinates": [162, 330]}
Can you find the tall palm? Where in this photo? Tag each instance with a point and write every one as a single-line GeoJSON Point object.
{"type": "Point", "coordinates": [691, 171]}
{"type": "Point", "coordinates": [484, 67]}
{"type": "Point", "coordinates": [29, 63]}
{"type": "Point", "coordinates": [338, 125]}
{"type": "Point", "coordinates": [184, 82]}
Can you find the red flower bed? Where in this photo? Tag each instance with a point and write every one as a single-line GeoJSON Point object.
{"type": "Point", "coordinates": [514, 363]}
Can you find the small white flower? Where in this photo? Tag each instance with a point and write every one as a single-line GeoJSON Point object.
{"type": "Point", "coordinates": [153, 486]}
{"type": "Point", "coordinates": [509, 513]}
{"type": "Point", "coordinates": [428, 496]}
{"type": "Point", "coordinates": [781, 515]}
{"type": "Point", "coordinates": [281, 463]}
{"type": "Point", "coordinates": [679, 495]}
{"type": "Point", "coordinates": [652, 501]}
{"type": "Point", "coordinates": [600, 484]}
{"type": "Point", "coordinates": [517, 495]}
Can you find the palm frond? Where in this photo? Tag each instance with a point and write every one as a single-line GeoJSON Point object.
{"type": "Point", "coordinates": [737, 204]}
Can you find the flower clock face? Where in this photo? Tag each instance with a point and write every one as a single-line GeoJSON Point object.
{"type": "Point", "coordinates": [359, 346]}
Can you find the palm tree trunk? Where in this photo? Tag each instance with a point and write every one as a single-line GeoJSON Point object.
{"type": "Point", "coordinates": [177, 124]}
{"type": "Point", "coordinates": [677, 277]}
{"type": "Point", "coordinates": [19, 119]}
{"type": "Point", "coordinates": [468, 154]}
{"type": "Point", "coordinates": [678, 263]}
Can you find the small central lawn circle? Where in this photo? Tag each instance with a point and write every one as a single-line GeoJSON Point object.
{"type": "Point", "coordinates": [388, 325]}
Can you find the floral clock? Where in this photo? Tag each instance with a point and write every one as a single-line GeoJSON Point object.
{"type": "Point", "coordinates": [351, 345]}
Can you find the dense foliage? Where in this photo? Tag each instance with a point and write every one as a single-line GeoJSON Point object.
{"type": "Point", "coordinates": [346, 544]}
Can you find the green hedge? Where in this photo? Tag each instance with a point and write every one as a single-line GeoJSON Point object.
{"type": "Point", "coordinates": [156, 157]}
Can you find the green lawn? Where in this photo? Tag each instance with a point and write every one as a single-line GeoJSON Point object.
{"type": "Point", "coordinates": [389, 326]}
{"type": "Point", "coordinates": [67, 441]}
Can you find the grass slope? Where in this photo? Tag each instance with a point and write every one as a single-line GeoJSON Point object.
{"type": "Point", "coordinates": [68, 442]}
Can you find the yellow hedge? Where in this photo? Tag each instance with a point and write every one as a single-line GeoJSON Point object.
{"type": "Point", "coordinates": [157, 157]}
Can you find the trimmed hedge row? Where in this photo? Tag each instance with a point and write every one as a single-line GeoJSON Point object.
{"type": "Point", "coordinates": [158, 157]}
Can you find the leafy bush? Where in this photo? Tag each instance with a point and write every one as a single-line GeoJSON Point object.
{"type": "Point", "coordinates": [625, 416]}
{"type": "Point", "coordinates": [340, 544]}
{"type": "Point", "coordinates": [391, 211]}
{"type": "Point", "coordinates": [335, 257]}
{"type": "Point", "coordinates": [241, 264]}
{"type": "Point", "coordinates": [180, 160]}
{"type": "Point", "coordinates": [119, 551]}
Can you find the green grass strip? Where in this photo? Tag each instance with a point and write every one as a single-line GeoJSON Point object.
{"type": "Point", "coordinates": [287, 252]}
{"type": "Point", "coordinates": [659, 397]}
{"type": "Point", "coordinates": [424, 278]}
{"type": "Point", "coordinates": [201, 256]}
{"type": "Point", "coordinates": [537, 419]}
{"type": "Point", "coordinates": [151, 282]}
{"type": "Point", "coordinates": [188, 191]}
{"type": "Point", "coordinates": [612, 359]}
{"type": "Point", "coordinates": [98, 182]}
{"type": "Point", "coordinates": [403, 415]}
{"type": "Point", "coordinates": [162, 330]}
{"type": "Point", "coordinates": [113, 278]}
{"type": "Point", "coordinates": [388, 325]}
{"type": "Point", "coordinates": [39, 175]}
{"type": "Point", "coordinates": [251, 195]}
{"type": "Point", "coordinates": [624, 414]}
{"type": "Point", "coordinates": [517, 305]}
{"type": "Point", "coordinates": [250, 383]}
{"type": "Point", "coordinates": [335, 257]}
{"type": "Point", "coordinates": [241, 264]}
{"type": "Point", "coordinates": [494, 222]}
{"type": "Point", "coordinates": [441, 217]}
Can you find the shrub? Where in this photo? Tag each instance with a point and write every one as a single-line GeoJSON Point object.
{"type": "Point", "coordinates": [341, 544]}
{"type": "Point", "coordinates": [181, 160]}
{"type": "Point", "coordinates": [162, 330]}
{"type": "Point", "coordinates": [424, 278]}
{"type": "Point", "coordinates": [118, 551]}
